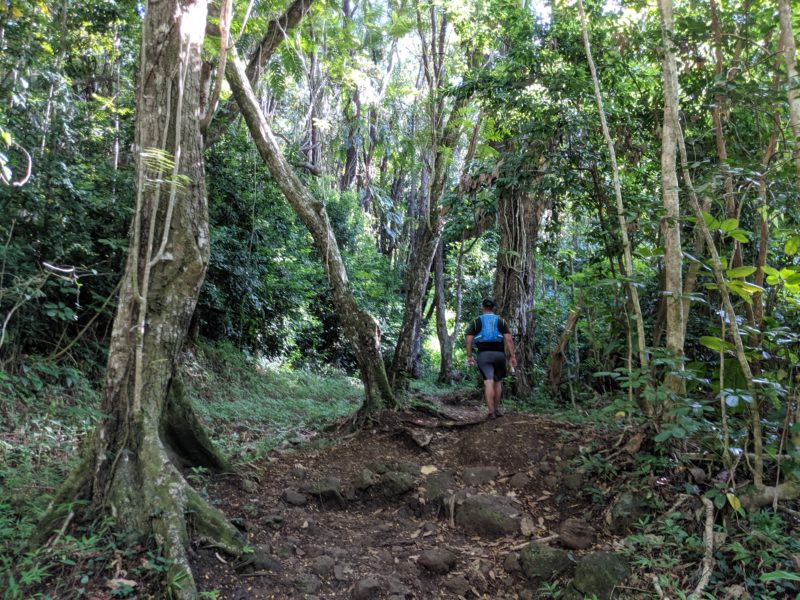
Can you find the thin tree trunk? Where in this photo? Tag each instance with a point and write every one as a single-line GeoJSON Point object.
{"type": "Point", "coordinates": [719, 276]}
{"type": "Point", "coordinates": [673, 256]}
{"type": "Point", "coordinates": [351, 147]}
{"type": "Point", "coordinates": [763, 228]}
{"type": "Point", "coordinates": [559, 354]}
{"type": "Point", "coordinates": [623, 226]}
{"type": "Point", "coordinates": [360, 328]}
{"type": "Point", "coordinates": [418, 274]}
{"type": "Point", "coordinates": [444, 136]}
{"type": "Point", "coordinates": [792, 80]}
{"type": "Point", "coordinates": [445, 342]}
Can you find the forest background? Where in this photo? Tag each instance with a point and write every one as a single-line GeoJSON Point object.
{"type": "Point", "coordinates": [623, 182]}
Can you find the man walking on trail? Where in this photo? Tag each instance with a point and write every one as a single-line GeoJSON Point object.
{"type": "Point", "coordinates": [492, 337]}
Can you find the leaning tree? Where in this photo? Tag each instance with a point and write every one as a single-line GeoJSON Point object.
{"type": "Point", "coordinates": [132, 467]}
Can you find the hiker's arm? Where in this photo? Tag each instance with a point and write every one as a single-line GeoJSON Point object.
{"type": "Point", "coordinates": [511, 350]}
{"type": "Point", "coordinates": [470, 360]}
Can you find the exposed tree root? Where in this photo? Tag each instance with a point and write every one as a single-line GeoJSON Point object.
{"type": "Point", "coordinates": [148, 493]}
{"type": "Point", "coordinates": [184, 435]}
{"type": "Point", "coordinates": [766, 495]}
{"type": "Point", "coordinates": [708, 558]}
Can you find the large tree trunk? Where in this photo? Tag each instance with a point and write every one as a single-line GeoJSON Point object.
{"type": "Point", "coordinates": [519, 214]}
{"type": "Point", "coordinates": [132, 469]}
{"type": "Point", "coordinates": [359, 327]}
{"type": "Point", "coordinates": [671, 226]}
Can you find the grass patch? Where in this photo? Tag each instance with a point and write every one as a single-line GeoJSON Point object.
{"type": "Point", "coordinates": [252, 406]}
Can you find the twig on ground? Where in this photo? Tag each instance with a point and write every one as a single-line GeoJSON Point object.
{"type": "Point", "coordinates": [657, 587]}
{"type": "Point", "coordinates": [789, 511]}
{"type": "Point", "coordinates": [543, 540]}
{"type": "Point", "coordinates": [61, 531]}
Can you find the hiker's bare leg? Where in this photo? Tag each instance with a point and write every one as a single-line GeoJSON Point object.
{"type": "Point", "coordinates": [488, 394]}
{"type": "Point", "coordinates": [498, 394]}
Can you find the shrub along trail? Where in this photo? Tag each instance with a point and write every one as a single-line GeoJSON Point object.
{"type": "Point", "coordinates": [431, 504]}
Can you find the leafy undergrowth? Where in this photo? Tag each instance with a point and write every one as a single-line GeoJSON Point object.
{"type": "Point", "coordinates": [253, 406]}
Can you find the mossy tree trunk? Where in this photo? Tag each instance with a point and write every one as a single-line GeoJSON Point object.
{"type": "Point", "coordinates": [671, 225]}
{"type": "Point", "coordinates": [132, 468]}
{"type": "Point", "coordinates": [519, 213]}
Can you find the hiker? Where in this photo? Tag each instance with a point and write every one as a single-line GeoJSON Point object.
{"type": "Point", "coordinates": [492, 337]}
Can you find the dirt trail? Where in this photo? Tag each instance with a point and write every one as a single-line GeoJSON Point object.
{"type": "Point", "coordinates": [360, 518]}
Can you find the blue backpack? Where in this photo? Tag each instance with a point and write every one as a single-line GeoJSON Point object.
{"type": "Point", "coordinates": [489, 329]}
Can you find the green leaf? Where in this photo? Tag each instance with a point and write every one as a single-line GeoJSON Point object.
{"type": "Point", "coordinates": [792, 245]}
{"type": "Point", "coordinates": [773, 575]}
{"type": "Point", "coordinates": [710, 221]}
{"type": "Point", "coordinates": [715, 343]}
{"type": "Point", "coordinates": [740, 272]}
{"type": "Point", "coordinates": [740, 236]}
{"type": "Point", "coordinates": [729, 225]}
{"type": "Point", "coordinates": [770, 270]}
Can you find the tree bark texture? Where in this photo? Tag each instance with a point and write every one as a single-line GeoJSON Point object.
{"type": "Point", "coordinates": [150, 431]}
{"type": "Point", "coordinates": [519, 213]}
{"type": "Point", "coordinates": [445, 341]}
{"type": "Point", "coordinates": [792, 80]}
{"type": "Point", "coordinates": [445, 133]}
{"type": "Point", "coordinates": [360, 328]}
{"type": "Point", "coordinates": [559, 355]}
{"type": "Point", "coordinates": [671, 226]}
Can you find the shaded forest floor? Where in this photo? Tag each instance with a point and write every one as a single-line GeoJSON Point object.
{"type": "Point", "coordinates": [369, 516]}
{"type": "Point", "coordinates": [431, 502]}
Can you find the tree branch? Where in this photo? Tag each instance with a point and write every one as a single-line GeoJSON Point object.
{"type": "Point", "coordinates": [258, 59]}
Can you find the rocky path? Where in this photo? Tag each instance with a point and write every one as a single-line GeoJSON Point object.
{"type": "Point", "coordinates": [423, 507]}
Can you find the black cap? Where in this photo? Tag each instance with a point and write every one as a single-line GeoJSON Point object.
{"type": "Point", "coordinates": [488, 303]}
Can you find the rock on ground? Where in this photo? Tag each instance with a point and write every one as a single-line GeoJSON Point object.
{"type": "Point", "coordinates": [488, 515]}
{"type": "Point", "coordinates": [519, 480]}
{"type": "Point", "coordinates": [575, 534]}
{"type": "Point", "coordinates": [322, 565]}
{"type": "Point", "coordinates": [543, 562]}
{"type": "Point", "coordinates": [479, 475]}
{"type": "Point", "coordinates": [438, 487]}
{"type": "Point", "coordinates": [366, 589]}
{"type": "Point", "coordinates": [628, 509]}
{"type": "Point", "coordinates": [396, 483]}
{"type": "Point", "coordinates": [437, 560]}
{"type": "Point", "coordinates": [458, 584]}
{"type": "Point", "coordinates": [294, 497]}
{"type": "Point", "coordinates": [599, 573]}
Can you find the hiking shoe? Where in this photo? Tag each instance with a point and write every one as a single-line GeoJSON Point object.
{"type": "Point", "coordinates": [490, 416]}
{"type": "Point", "coordinates": [499, 412]}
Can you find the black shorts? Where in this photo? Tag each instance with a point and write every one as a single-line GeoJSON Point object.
{"type": "Point", "coordinates": [492, 365]}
